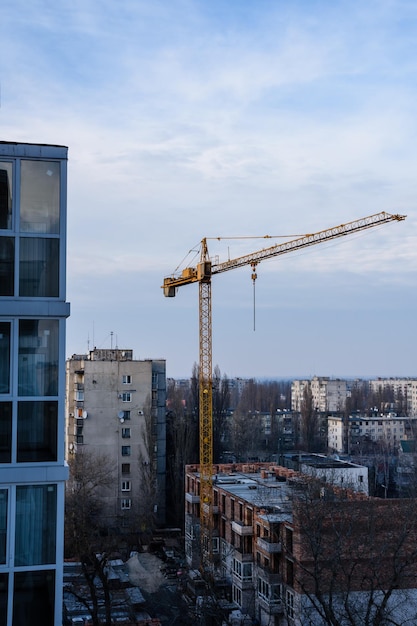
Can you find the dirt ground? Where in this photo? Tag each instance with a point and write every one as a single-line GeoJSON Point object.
{"type": "Point", "coordinates": [163, 600]}
{"type": "Point", "coordinates": [144, 572]}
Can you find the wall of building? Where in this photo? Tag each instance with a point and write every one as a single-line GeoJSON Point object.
{"type": "Point", "coordinates": [33, 311]}
{"type": "Point", "coordinates": [116, 408]}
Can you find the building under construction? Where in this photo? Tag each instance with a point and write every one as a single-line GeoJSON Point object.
{"type": "Point", "coordinates": [292, 549]}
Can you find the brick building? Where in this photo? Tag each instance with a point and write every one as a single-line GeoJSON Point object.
{"type": "Point", "coordinates": [292, 550]}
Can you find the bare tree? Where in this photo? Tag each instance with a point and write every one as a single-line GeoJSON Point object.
{"type": "Point", "coordinates": [221, 400]}
{"type": "Point", "coordinates": [182, 449]}
{"type": "Point", "coordinates": [352, 560]}
{"type": "Point", "coordinates": [309, 422]}
{"type": "Point", "coordinates": [246, 434]}
{"type": "Point", "coordinates": [90, 476]}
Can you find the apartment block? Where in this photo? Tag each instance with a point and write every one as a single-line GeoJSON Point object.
{"type": "Point", "coordinates": [327, 394]}
{"type": "Point", "coordinates": [287, 547]}
{"type": "Point", "coordinates": [396, 394]}
{"type": "Point", "coordinates": [33, 312]}
{"type": "Point", "coordinates": [116, 408]}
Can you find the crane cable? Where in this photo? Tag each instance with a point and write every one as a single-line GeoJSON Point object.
{"type": "Point", "coordinates": [254, 277]}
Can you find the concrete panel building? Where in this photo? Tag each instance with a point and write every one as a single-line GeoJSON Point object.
{"type": "Point", "coordinates": [116, 408]}
{"type": "Point", "coordinates": [327, 394]}
{"type": "Point", "coordinates": [33, 313]}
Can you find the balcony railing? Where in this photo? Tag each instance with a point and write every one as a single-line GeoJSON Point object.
{"type": "Point", "coordinates": [268, 545]}
{"type": "Point", "coordinates": [192, 498]}
{"type": "Point", "coordinates": [241, 529]}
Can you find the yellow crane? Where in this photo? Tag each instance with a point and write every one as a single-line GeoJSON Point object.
{"type": "Point", "coordinates": [202, 274]}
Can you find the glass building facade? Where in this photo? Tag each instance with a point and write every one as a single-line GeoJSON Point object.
{"type": "Point", "coordinates": [33, 312]}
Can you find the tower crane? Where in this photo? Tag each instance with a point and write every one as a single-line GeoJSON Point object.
{"type": "Point", "coordinates": [202, 274]}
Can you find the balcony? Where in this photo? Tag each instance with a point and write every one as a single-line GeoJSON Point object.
{"type": "Point", "coordinates": [268, 545]}
{"type": "Point", "coordinates": [273, 578]}
{"type": "Point", "coordinates": [241, 554]}
{"type": "Point", "coordinates": [192, 498]}
{"type": "Point", "coordinates": [214, 509]}
{"type": "Point", "coordinates": [241, 529]}
{"type": "Point", "coordinates": [273, 607]}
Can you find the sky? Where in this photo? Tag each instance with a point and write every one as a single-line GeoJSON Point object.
{"type": "Point", "coordinates": [232, 119]}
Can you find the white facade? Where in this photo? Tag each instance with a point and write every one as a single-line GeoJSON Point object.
{"type": "Point", "coordinates": [327, 394]}
{"type": "Point", "coordinates": [388, 428]}
{"type": "Point", "coordinates": [297, 394]}
{"type": "Point", "coordinates": [335, 434]}
{"type": "Point", "coordinates": [340, 473]}
{"type": "Point", "coordinates": [404, 389]}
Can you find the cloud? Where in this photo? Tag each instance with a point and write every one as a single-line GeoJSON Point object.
{"type": "Point", "coordinates": [189, 119]}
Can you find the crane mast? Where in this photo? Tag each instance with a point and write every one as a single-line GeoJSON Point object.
{"type": "Point", "coordinates": [202, 273]}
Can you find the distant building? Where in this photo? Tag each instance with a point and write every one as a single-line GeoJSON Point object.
{"type": "Point", "coordinates": [327, 394]}
{"type": "Point", "coordinates": [115, 406]}
{"type": "Point", "coordinates": [396, 394]}
{"type": "Point", "coordinates": [388, 429]}
{"type": "Point", "coordinates": [33, 312]}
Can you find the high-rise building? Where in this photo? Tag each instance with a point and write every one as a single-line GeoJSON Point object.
{"type": "Point", "coordinates": [116, 410]}
{"type": "Point", "coordinates": [33, 313]}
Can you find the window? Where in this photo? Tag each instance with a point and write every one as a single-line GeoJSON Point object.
{"type": "Point", "coordinates": [6, 265]}
{"type": "Point", "coordinates": [237, 595]}
{"type": "Point", "coordinates": [3, 525]}
{"type": "Point", "coordinates": [224, 550]}
{"type": "Point", "coordinates": [4, 582]}
{"type": "Point", "coordinates": [38, 358]}
{"type": "Point", "coordinates": [126, 433]}
{"type": "Point", "coordinates": [6, 195]}
{"type": "Point", "coordinates": [126, 397]}
{"type": "Point", "coordinates": [5, 432]}
{"type": "Point", "coordinates": [125, 468]}
{"type": "Point", "coordinates": [242, 571]}
{"type": "Point", "coordinates": [34, 594]}
{"type": "Point", "coordinates": [125, 450]}
{"type": "Point", "coordinates": [288, 539]}
{"type": "Point", "coordinates": [39, 267]}
{"type": "Point", "coordinates": [125, 485]}
{"type": "Point", "coordinates": [37, 431]}
{"type": "Point", "coordinates": [269, 593]}
{"type": "Point", "coordinates": [35, 524]}
{"type": "Point", "coordinates": [126, 504]}
{"type": "Point", "coordinates": [290, 604]}
{"type": "Point", "coordinates": [126, 379]}
{"type": "Point", "coordinates": [290, 572]}
{"type": "Point", "coordinates": [39, 197]}
{"type": "Point", "coordinates": [4, 357]}
{"type": "Point", "coordinates": [126, 415]}
{"type": "Point", "coordinates": [215, 542]}
{"type": "Point", "coordinates": [263, 589]}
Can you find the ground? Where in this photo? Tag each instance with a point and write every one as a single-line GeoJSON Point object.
{"type": "Point", "coordinates": [163, 595]}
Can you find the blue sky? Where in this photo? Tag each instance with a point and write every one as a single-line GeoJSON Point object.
{"type": "Point", "coordinates": [188, 119]}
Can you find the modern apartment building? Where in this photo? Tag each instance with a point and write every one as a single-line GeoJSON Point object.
{"type": "Point", "coordinates": [33, 312]}
{"type": "Point", "coordinates": [116, 408]}
{"type": "Point", "coordinates": [290, 549]}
